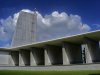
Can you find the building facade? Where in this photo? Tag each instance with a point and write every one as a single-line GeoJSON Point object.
{"type": "Point", "coordinates": [61, 51]}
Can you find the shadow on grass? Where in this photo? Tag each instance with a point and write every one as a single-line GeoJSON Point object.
{"type": "Point", "coordinates": [94, 74]}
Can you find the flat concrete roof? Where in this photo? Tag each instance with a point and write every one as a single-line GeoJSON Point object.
{"type": "Point", "coordinates": [77, 39]}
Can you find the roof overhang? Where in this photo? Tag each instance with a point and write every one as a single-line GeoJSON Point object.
{"type": "Point", "coordinates": [77, 39]}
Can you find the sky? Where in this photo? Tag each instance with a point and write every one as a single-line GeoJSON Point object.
{"type": "Point", "coordinates": [56, 18]}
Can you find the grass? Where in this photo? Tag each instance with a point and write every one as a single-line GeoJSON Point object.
{"type": "Point", "coordinates": [23, 72]}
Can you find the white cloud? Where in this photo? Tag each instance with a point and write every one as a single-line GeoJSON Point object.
{"type": "Point", "coordinates": [6, 28]}
{"type": "Point", "coordinates": [58, 25]}
{"type": "Point", "coordinates": [49, 26]}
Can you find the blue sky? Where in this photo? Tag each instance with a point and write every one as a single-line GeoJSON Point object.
{"type": "Point", "coordinates": [88, 10]}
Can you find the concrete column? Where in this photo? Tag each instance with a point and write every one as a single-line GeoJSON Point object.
{"type": "Point", "coordinates": [36, 56]}
{"type": "Point", "coordinates": [66, 55]}
{"type": "Point", "coordinates": [47, 59]}
{"type": "Point", "coordinates": [32, 59]}
{"type": "Point", "coordinates": [24, 58]}
{"type": "Point", "coordinates": [53, 55]}
{"type": "Point", "coordinates": [72, 53]}
{"type": "Point", "coordinates": [92, 51]}
{"type": "Point", "coordinates": [14, 58]}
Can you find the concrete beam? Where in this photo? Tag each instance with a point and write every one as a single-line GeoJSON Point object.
{"type": "Point", "coordinates": [53, 55]}
{"type": "Point", "coordinates": [72, 53]}
{"type": "Point", "coordinates": [92, 51]}
{"type": "Point", "coordinates": [14, 58]}
{"type": "Point", "coordinates": [24, 58]}
{"type": "Point", "coordinates": [36, 56]}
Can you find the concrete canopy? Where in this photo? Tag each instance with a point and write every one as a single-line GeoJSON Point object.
{"type": "Point", "coordinates": [77, 39]}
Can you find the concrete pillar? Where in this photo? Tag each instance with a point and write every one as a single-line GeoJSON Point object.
{"type": "Point", "coordinates": [66, 55]}
{"type": "Point", "coordinates": [36, 56]}
{"type": "Point", "coordinates": [14, 58]}
{"type": "Point", "coordinates": [53, 55]}
{"type": "Point", "coordinates": [24, 58]}
{"type": "Point", "coordinates": [32, 59]}
{"type": "Point", "coordinates": [47, 59]}
{"type": "Point", "coordinates": [92, 51]}
{"type": "Point", "coordinates": [72, 53]}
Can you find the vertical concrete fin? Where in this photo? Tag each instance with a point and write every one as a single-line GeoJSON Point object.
{"type": "Point", "coordinates": [72, 53]}
{"type": "Point", "coordinates": [53, 55]}
{"type": "Point", "coordinates": [14, 58]}
{"type": "Point", "coordinates": [37, 56]}
{"type": "Point", "coordinates": [32, 59]}
{"type": "Point", "coordinates": [92, 50]}
{"type": "Point", "coordinates": [24, 58]}
{"type": "Point", "coordinates": [66, 57]}
{"type": "Point", "coordinates": [47, 59]}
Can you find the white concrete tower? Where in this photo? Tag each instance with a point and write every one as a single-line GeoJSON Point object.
{"type": "Point", "coordinates": [25, 32]}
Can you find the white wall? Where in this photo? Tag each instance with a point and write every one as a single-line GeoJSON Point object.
{"type": "Point", "coordinates": [4, 58]}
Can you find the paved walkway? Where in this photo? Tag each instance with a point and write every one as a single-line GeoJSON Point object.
{"type": "Point", "coordinates": [56, 68]}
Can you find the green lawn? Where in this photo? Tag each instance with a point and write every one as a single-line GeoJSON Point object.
{"type": "Point", "coordinates": [10, 72]}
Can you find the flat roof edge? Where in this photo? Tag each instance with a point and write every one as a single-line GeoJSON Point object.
{"type": "Point", "coordinates": [90, 32]}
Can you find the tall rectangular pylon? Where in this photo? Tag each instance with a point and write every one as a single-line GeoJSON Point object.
{"type": "Point", "coordinates": [25, 32]}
